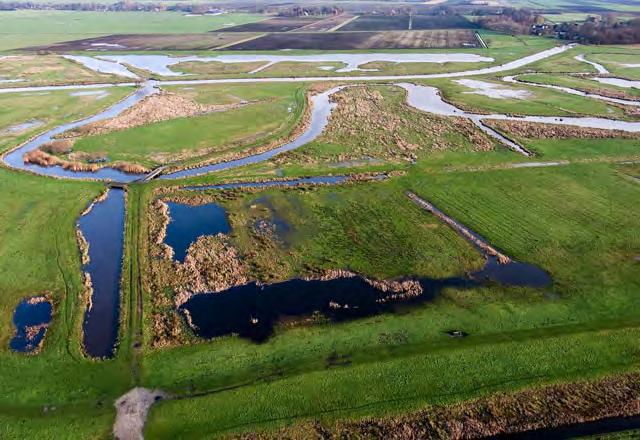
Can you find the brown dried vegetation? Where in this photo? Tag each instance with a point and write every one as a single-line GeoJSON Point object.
{"type": "Point", "coordinates": [155, 108]}
{"type": "Point", "coordinates": [546, 407]}
{"type": "Point", "coordinates": [42, 158]}
{"type": "Point", "coordinates": [524, 129]}
{"type": "Point", "coordinates": [374, 122]}
{"type": "Point", "coordinates": [212, 264]}
{"type": "Point", "coordinates": [61, 146]}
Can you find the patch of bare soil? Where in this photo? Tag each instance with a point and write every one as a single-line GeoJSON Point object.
{"type": "Point", "coordinates": [327, 24]}
{"type": "Point", "coordinates": [155, 108]}
{"type": "Point", "coordinates": [405, 39]}
{"type": "Point", "coordinates": [131, 412]}
{"type": "Point", "coordinates": [139, 42]}
{"type": "Point", "coordinates": [501, 413]}
{"type": "Point", "coordinates": [524, 129]}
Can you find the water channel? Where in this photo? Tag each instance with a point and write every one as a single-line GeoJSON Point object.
{"type": "Point", "coordinates": [103, 229]}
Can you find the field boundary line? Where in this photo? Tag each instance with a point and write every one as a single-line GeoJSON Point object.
{"type": "Point", "coordinates": [338, 26]}
{"type": "Point", "coordinates": [233, 43]}
{"type": "Point", "coordinates": [481, 40]}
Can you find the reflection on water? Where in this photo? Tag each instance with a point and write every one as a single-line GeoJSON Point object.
{"type": "Point", "coordinates": [31, 318]}
{"type": "Point", "coordinates": [188, 222]}
{"type": "Point", "coordinates": [103, 228]}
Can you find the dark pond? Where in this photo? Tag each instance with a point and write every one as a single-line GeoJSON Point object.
{"type": "Point", "coordinates": [587, 429]}
{"type": "Point", "coordinates": [513, 274]}
{"type": "Point", "coordinates": [103, 228]}
{"type": "Point", "coordinates": [31, 318]}
{"type": "Point", "coordinates": [190, 222]}
{"type": "Point", "coordinates": [252, 311]}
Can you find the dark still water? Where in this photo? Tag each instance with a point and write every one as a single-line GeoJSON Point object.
{"type": "Point", "coordinates": [252, 311]}
{"type": "Point", "coordinates": [593, 429]}
{"type": "Point", "coordinates": [513, 273]}
{"type": "Point", "coordinates": [31, 318]}
{"type": "Point", "coordinates": [189, 222]}
{"type": "Point", "coordinates": [103, 228]}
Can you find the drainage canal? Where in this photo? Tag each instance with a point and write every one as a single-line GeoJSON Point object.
{"type": "Point", "coordinates": [103, 229]}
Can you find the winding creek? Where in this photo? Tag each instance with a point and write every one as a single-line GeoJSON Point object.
{"type": "Point", "coordinates": [252, 311]}
{"type": "Point", "coordinates": [14, 158]}
{"type": "Point", "coordinates": [424, 98]}
{"type": "Point", "coordinates": [321, 107]}
{"type": "Point", "coordinates": [103, 225]}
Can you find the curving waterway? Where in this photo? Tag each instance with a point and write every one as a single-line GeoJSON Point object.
{"type": "Point", "coordinates": [14, 158]}
{"type": "Point", "coordinates": [515, 80]}
{"type": "Point", "coordinates": [321, 107]}
{"type": "Point", "coordinates": [424, 98]}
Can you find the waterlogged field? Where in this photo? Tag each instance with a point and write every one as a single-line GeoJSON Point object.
{"type": "Point", "coordinates": [583, 84]}
{"type": "Point", "coordinates": [22, 115]}
{"type": "Point", "coordinates": [35, 70]}
{"type": "Point", "coordinates": [584, 314]}
{"type": "Point", "coordinates": [531, 100]}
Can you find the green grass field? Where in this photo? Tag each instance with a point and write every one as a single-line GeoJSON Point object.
{"type": "Point", "coordinates": [49, 109]}
{"type": "Point", "coordinates": [25, 28]}
{"type": "Point", "coordinates": [39, 254]}
{"type": "Point", "coordinates": [614, 58]}
{"type": "Point", "coordinates": [545, 216]}
{"type": "Point", "coordinates": [276, 110]}
{"type": "Point", "coordinates": [578, 221]}
{"type": "Point", "coordinates": [543, 102]}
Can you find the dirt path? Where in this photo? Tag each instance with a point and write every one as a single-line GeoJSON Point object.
{"type": "Point", "coordinates": [132, 409]}
{"type": "Point", "coordinates": [469, 235]}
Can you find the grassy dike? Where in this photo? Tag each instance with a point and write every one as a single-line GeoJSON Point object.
{"type": "Point", "coordinates": [39, 254]}
{"type": "Point", "coordinates": [584, 327]}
